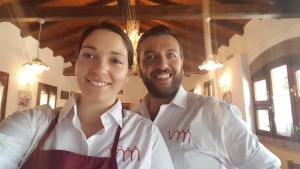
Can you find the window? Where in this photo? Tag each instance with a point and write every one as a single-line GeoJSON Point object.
{"type": "Point", "coordinates": [276, 98]}
{"type": "Point", "coordinates": [3, 93]}
{"type": "Point", "coordinates": [46, 95]}
{"type": "Point", "coordinates": [209, 88]}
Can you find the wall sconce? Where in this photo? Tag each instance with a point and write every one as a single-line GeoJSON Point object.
{"type": "Point", "coordinates": [27, 79]}
{"type": "Point", "coordinates": [225, 81]}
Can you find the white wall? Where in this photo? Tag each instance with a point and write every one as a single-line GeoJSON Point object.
{"type": "Point", "coordinates": [259, 35]}
{"type": "Point", "coordinates": [16, 51]}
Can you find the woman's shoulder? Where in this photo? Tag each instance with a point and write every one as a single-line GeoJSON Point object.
{"type": "Point", "coordinates": [36, 113]}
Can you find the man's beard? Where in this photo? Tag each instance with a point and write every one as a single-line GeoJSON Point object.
{"type": "Point", "coordinates": [158, 92]}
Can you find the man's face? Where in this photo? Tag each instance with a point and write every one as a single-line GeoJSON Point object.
{"type": "Point", "coordinates": [160, 65]}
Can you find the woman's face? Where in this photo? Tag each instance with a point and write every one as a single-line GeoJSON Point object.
{"type": "Point", "coordinates": [102, 66]}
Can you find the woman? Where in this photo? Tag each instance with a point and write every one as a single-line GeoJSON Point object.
{"type": "Point", "coordinates": [91, 131]}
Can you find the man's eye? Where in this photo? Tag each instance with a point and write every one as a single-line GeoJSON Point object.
{"type": "Point", "coordinates": [172, 55]}
{"type": "Point", "coordinates": [149, 57]}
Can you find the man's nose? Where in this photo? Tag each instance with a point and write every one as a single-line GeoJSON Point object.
{"type": "Point", "coordinates": [162, 63]}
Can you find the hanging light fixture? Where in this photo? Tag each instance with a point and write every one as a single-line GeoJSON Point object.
{"type": "Point", "coordinates": [37, 66]}
{"type": "Point", "coordinates": [209, 64]}
{"type": "Point", "coordinates": [132, 29]}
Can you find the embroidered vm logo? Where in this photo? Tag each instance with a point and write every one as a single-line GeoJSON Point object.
{"type": "Point", "coordinates": [183, 135]}
{"type": "Point", "coordinates": [129, 152]}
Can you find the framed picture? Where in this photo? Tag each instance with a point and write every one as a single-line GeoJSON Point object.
{"type": "Point", "coordinates": [64, 95]}
{"type": "Point", "coordinates": [126, 106]}
{"type": "Point", "coordinates": [227, 97]}
{"type": "Point", "coordinates": [24, 99]}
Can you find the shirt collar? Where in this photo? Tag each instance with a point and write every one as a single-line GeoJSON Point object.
{"type": "Point", "coordinates": [71, 103]}
{"type": "Point", "coordinates": [115, 112]}
{"type": "Point", "coordinates": [180, 100]}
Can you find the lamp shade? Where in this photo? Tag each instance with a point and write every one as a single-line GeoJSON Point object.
{"type": "Point", "coordinates": [36, 66]}
{"type": "Point", "coordinates": [210, 65]}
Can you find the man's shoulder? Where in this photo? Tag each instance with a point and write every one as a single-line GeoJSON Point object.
{"type": "Point", "coordinates": [137, 119]}
{"type": "Point", "coordinates": [206, 101]}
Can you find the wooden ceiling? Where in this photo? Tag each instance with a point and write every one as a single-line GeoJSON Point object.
{"type": "Point", "coordinates": [66, 19]}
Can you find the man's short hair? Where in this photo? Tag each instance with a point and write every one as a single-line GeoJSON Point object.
{"type": "Point", "coordinates": [157, 31]}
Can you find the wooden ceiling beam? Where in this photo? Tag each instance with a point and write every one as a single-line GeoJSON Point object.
{"type": "Point", "coordinates": [64, 34]}
{"type": "Point", "coordinates": [62, 42]}
{"type": "Point", "coordinates": [69, 55]}
{"type": "Point", "coordinates": [163, 2]}
{"type": "Point", "coordinates": [174, 12]}
{"type": "Point", "coordinates": [69, 71]}
{"type": "Point", "coordinates": [69, 58]}
{"type": "Point", "coordinates": [229, 25]}
{"type": "Point", "coordinates": [33, 29]}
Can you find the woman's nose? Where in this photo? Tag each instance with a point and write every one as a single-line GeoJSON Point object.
{"type": "Point", "coordinates": [100, 65]}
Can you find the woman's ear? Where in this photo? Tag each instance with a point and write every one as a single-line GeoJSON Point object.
{"type": "Point", "coordinates": [127, 78]}
{"type": "Point", "coordinates": [129, 72]}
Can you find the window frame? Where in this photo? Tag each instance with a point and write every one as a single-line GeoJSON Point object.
{"type": "Point", "coordinates": [4, 78]}
{"type": "Point", "coordinates": [49, 89]}
{"type": "Point", "coordinates": [265, 73]}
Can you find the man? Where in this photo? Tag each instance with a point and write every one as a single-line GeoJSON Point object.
{"type": "Point", "coordinates": [200, 132]}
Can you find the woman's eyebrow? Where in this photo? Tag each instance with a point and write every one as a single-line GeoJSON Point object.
{"type": "Point", "coordinates": [89, 47]}
{"type": "Point", "coordinates": [116, 53]}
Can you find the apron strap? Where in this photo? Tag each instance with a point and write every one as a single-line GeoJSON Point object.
{"type": "Point", "coordinates": [50, 128]}
{"type": "Point", "coordinates": [116, 140]}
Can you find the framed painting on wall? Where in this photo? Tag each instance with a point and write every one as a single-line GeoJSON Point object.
{"type": "Point", "coordinates": [24, 99]}
{"type": "Point", "coordinates": [126, 106]}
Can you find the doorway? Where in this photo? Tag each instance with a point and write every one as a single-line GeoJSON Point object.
{"type": "Point", "coordinates": [3, 93]}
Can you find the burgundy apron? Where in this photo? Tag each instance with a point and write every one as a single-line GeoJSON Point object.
{"type": "Point", "coordinates": [61, 159]}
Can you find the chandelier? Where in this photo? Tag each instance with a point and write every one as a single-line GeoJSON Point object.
{"type": "Point", "coordinates": [36, 65]}
{"type": "Point", "coordinates": [132, 29]}
{"type": "Point", "coordinates": [209, 64]}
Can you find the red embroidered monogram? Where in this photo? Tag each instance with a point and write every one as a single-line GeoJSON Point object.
{"type": "Point", "coordinates": [180, 135]}
{"type": "Point", "coordinates": [129, 152]}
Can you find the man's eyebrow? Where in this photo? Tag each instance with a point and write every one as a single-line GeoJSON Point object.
{"type": "Point", "coordinates": [149, 51]}
{"type": "Point", "coordinates": [173, 50]}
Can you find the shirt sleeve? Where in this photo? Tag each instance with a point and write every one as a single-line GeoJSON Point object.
{"type": "Point", "coordinates": [242, 146]}
{"type": "Point", "coordinates": [17, 133]}
{"type": "Point", "coordinates": [161, 158]}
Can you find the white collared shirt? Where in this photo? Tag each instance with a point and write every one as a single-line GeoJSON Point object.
{"type": "Point", "coordinates": [204, 133]}
{"type": "Point", "coordinates": [141, 145]}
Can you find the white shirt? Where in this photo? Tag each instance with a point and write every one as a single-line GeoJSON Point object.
{"type": "Point", "coordinates": [21, 132]}
{"type": "Point", "coordinates": [204, 133]}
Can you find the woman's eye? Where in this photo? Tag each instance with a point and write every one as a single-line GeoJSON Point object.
{"type": "Point", "coordinates": [116, 61]}
{"type": "Point", "coordinates": [88, 56]}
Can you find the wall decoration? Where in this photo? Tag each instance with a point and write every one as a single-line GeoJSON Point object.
{"type": "Point", "coordinates": [227, 97]}
{"type": "Point", "coordinates": [126, 106]}
{"type": "Point", "coordinates": [24, 99]}
{"type": "Point", "coordinates": [64, 95]}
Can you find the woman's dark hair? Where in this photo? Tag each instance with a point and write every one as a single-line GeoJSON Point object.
{"type": "Point", "coordinates": [111, 27]}
{"type": "Point", "coordinates": [157, 31]}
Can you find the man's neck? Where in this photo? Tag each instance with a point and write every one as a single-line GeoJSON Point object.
{"type": "Point", "coordinates": [154, 104]}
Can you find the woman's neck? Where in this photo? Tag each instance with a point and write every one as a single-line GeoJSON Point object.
{"type": "Point", "coordinates": [89, 113]}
